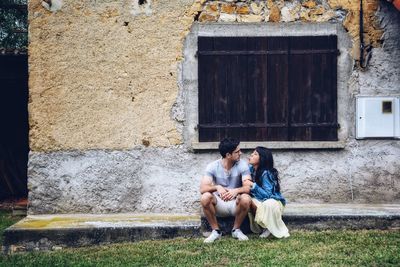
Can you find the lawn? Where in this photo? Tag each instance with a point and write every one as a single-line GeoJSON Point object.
{"type": "Point", "coordinates": [6, 220]}
{"type": "Point", "coordinates": [326, 248]}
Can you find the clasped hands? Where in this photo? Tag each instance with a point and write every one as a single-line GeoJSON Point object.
{"type": "Point", "coordinates": [226, 194]}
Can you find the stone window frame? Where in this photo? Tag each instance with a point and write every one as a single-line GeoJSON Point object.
{"type": "Point", "coordinates": [189, 79]}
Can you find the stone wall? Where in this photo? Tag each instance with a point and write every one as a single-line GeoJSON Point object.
{"type": "Point", "coordinates": [107, 106]}
{"type": "Point", "coordinates": [346, 12]}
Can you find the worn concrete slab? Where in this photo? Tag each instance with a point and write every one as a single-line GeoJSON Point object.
{"type": "Point", "coordinates": [330, 216]}
{"type": "Point", "coordinates": [50, 232]}
{"type": "Point", "coordinates": [342, 216]}
{"type": "Point", "coordinates": [377, 210]}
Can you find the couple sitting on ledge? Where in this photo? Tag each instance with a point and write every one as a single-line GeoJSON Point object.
{"type": "Point", "coordinates": [233, 187]}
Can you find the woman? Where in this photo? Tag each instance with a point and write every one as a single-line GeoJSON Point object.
{"type": "Point", "coordinates": [268, 202]}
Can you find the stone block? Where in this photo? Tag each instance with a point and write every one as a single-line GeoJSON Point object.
{"type": "Point", "coordinates": [195, 8]}
{"type": "Point", "coordinates": [275, 14]}
{"type": "Point", "coordinates": [267, 13]}
{"type": "Point", "coordinates": [16, 249]}
{"type": "Point", "coordinates": [212, 8]}
{"type": "Point", "coordinates": [287, 16]}
{"type": "Point", "coordinates": [309, 4]}
{"type": "Point", "coordinates": [206, 17]}
{"type": "Point", "coordinates": [304, 15]}
{"type": "Point", "coordinates": [293, 13]}
{"type": "Point", "coordinates": [257, 8]}
{"type": "Point", "coordinates": [243, 10]}
{"type": "Point", "coordinates": [227, 17]}
{"type": "Point", "coordinates": [270, 3]}
{"type": "Point", "coordinates": [228, 8]}
{"type": "Point", "coordinates": [250, 18]}
{"type": "Point", "coordinates": [326, 16]}
{"type": "Point", "coordinates": [317, 11]}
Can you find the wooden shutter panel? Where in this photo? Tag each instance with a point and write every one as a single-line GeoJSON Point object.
{"type": "Point", "coordinates": [267, 88]}
{"type": "Point", "coordinates": [207, 84]}
{"type": "Point", "coordinates": [312, 90]}
{"type": "Point", "coordinates": [241, 64]}
{"type": "Point", "coordinates": [277, 89]}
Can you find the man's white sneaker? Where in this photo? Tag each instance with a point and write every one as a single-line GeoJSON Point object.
{"type": "Point", "coordinates": [237, 233]}
{"type": "Point", "coordinates": [213, 236]}
{"type": "Point", "coordinates": [265, 234]}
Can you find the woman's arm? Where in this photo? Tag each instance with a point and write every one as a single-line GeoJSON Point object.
{"type": "Point", "coordinates": [262, 192]}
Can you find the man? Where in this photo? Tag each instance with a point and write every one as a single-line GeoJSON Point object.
{"type": "Point", "coordinates": [223, 193]}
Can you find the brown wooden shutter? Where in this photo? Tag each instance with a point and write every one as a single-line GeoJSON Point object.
{"type": "Point", "coordinates": [313, 88]}
{"type": "Point", "coordinates": [251, 89]}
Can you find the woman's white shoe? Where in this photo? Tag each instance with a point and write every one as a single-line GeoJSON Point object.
{"type": "Point", "coordinates": [265, 233]}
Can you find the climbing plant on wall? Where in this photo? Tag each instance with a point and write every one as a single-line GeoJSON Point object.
{"type": "Point", "coordinates": [13, 25]}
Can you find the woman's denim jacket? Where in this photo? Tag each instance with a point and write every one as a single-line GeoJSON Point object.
{"type": "Point", "coordinates": [268, 188]}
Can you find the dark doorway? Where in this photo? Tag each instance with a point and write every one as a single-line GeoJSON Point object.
{"type": "Point", "coordinates": [14, 144]}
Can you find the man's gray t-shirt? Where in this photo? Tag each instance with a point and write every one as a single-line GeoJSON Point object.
{"type": "Point", "coordinates": [230, 179]}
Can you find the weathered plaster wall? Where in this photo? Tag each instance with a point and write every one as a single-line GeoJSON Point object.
{"type": "Point", "coordinates": [104, 85]}
{"type": "Point", "coordinates": [101, 77]}
{"type": "Point", "coordinates": [382, 77]}
{"type": "Point", "coordinates": [167, 179]}
{"type": "Point", "coordinates": [103, 73]}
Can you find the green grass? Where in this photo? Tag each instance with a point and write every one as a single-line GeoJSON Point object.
{"type": "Point", "coordinates": [6, 220]}
{"type": "Point", "coordinates": [326, 248]}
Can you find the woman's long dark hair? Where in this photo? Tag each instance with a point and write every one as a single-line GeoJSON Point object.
{"type": "Point", "coordinates": [266, 163]}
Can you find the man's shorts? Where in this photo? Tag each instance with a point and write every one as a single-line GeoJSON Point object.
{"type": "Point", "coordinates": [225, 208]}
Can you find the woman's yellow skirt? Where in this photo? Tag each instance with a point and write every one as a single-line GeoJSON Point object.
{"type": "Point", "coordinates": [268, 216]}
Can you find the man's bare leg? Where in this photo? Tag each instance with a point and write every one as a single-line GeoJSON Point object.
{"type": "Point", "coordinates": [208, 202]}
{"type": "Point", "coordinates": [242, 208]}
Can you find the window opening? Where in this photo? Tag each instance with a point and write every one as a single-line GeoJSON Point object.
{"type": "Point", "coordinates": [268, 88]}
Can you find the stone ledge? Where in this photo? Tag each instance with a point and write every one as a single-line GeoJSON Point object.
{"type": "Point", "coordinates": [52, 232]}
{"type": "Point", "coordinates": [342, 216]}
{"type": "Point", "coordinates": [329, 217]}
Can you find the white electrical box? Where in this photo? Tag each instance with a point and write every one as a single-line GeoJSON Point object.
{"type": "Point", "coordinates": [377, 117]}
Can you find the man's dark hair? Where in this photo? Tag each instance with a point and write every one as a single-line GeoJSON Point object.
{"type": "Point", "coordinates": [228, 145]}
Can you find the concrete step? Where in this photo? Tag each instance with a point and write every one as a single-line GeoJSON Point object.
{"type": "Point", "coordinates": [328, 216]}
{"type": "Point", "coordinates": [342, 216]}
{"type": "Point", "coordinates": [52, 232]}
